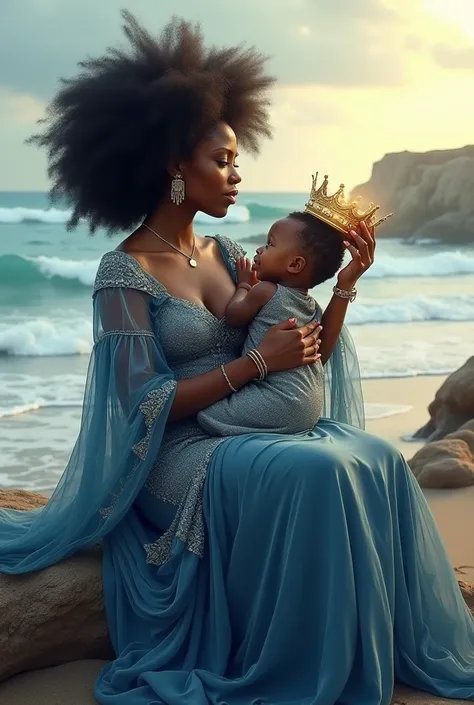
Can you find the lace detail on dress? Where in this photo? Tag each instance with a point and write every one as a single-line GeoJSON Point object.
{"type": "Point", "coordinates": [106, 512]}
{"type": "Point", "coordinates": [151, 408]}
{"type": "Point", "coordinates": [188, 524]}
{"type": "Point", "coordinates": [119, 269]}
{"type": "Point", "coordinates": [140, 333]}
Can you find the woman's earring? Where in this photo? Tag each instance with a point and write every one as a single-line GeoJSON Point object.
{"type": "Point", "coordinates": [177, 190]}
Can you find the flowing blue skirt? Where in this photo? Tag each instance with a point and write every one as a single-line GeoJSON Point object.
{"type": "Point", "coordinates": [324, 581]}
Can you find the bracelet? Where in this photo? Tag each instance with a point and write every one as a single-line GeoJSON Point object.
{"type": "Point", "coordinates": [226, 377]}
{"type": "Point", "coordinates": [259, 363]}
{"type": "Point", "coordinates": [244, 285]}
{"type": "Point", "coordinates": [343, 294]}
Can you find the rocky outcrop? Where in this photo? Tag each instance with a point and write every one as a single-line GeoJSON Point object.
{"type": "Point", "coordinates": [21, 499]}
{"type": "Point", "coordinates": [447, 461]}
{"type": "Point", "coordinates": [52, 616]}
{"type": "Point", "coordinates": [446, 464]}
{"type": "Point", "coordinates": [452, 406]}
{"type": "Point", "coordinates": [429, 193]}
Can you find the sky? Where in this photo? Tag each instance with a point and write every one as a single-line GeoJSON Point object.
{"type": "Point", "coordinates": [356, 78]}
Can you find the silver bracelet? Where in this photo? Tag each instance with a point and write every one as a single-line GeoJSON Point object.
{"type": "Point", "coordinates": [259, 363]}
{"type": "Point", "coordinates": [226, 377]}
{"type": "Point", "coordinates": [262, 362]}
{"type": "Point", "coordinates": [343, 294]}
{"type": "Point", "coordinates": [244, 285]}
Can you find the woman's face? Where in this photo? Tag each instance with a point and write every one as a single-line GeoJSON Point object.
{"type": "Point", "coordinates": [211, 176]}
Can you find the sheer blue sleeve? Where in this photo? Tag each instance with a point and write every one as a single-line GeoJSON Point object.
{"type": "Point", "coordinates": [128, 396]}
{"type": "Point", "coordinates": [343, 398]}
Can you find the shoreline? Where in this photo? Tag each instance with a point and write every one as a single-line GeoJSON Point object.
{"type": "Point", "coordinates": [414, 392]}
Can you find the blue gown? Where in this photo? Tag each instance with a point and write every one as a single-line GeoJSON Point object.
{"type": "Point", "coordinates": [255, 569]}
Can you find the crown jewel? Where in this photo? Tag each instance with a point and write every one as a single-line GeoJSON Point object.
{"type": "Point", "coordinates": [337, 212]}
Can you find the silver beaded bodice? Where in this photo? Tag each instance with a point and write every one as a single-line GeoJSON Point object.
{"type": "Point", "coordinates": [194, 341]}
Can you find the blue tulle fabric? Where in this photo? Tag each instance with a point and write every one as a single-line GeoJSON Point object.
{"type": "Point", "coordinates": [107, 467]}
{"type": "Point", "coordinates": [323, 578]}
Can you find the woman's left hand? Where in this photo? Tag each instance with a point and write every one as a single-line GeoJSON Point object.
{"type": "Point", "coordinates": [362, 249]}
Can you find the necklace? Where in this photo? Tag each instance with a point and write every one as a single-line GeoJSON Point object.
{"type": "Point", "coordinates": [190, 258]}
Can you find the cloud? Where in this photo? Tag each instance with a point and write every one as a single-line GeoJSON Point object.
{"type": "Point", "coordinates": [23, 109]}
{"type": "Point", "coordinates": [372, 10]}
{"type": "Point", "coordinates": [454, 57]}
{"type": "Point", "coordinates": [26, 165]}
{"type": "Point", "coordinates": [301, 106]}
{"type": "Point", "coordinates": [414, 43]}
{"type": "Point", "coordinates": [345, 43]}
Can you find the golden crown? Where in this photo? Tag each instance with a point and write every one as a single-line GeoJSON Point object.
{"type": "Point", "coordinates": [337, 212]}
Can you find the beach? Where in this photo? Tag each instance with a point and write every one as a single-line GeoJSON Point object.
{"type": "Point", "coordinates": [73, 682]}
{"type": "Point", "coordinates": [412, 323]}
{"type": "Point", "coordinates": [413, 320]}
{"type": "Point", "coordinates": [46, 338]}
{"type": "Point", "coordinates": [452, 509]}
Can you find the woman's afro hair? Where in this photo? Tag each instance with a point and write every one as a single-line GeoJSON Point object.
{"type": "Point", "coordinates": [111, 132]}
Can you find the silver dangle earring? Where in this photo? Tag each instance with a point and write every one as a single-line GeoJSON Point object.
{"type": "Point", "coordinates": [177, 190]}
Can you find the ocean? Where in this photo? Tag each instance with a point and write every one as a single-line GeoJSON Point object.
{"type": "Point", "coordinates": [414, 315]}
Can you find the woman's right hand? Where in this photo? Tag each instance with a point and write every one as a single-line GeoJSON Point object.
{"type": "Point", "coordinates": [284, 347]}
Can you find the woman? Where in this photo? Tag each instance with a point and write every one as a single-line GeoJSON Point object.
{"type": "Point", "coordinates": [253, 569]}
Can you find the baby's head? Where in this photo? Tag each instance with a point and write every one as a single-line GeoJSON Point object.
{"type": "Point", "coordinates": [301, 251]}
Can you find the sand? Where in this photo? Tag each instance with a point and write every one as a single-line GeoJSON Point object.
{"type": "Point", "coordinates": [73, 683]}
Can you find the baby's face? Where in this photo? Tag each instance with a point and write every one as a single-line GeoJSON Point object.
{"type": "Point", "coordinates": [273, 261]}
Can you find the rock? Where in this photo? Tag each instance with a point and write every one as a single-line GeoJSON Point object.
{"type": "Point", "coordinates": [70, 684]}
{"type": "Point", "coordinates": [468, 594]}
{"type": "Point", "coordinates": [453, 404]}
{"type": "Point", "coordinates": [429, 193]}
{"type": "Point", "coordinates": [21, 499]}
{"type": "Point", "coordinates": [446, 464]}
{"type": "Point", "coordinates": [55, 615]}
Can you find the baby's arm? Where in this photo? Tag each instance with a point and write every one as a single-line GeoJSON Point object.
{"type": "Point", "coordinates": [249, 297]}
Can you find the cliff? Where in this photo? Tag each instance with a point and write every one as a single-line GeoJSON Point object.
{"type": "Point", "coordinates": [431, 194]}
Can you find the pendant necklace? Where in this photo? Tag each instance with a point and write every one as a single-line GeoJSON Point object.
{"type": "Point", "coordinates": [190, 258]}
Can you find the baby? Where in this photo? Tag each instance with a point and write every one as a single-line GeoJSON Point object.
{"type": "Point", "coordinates": [301, 252]}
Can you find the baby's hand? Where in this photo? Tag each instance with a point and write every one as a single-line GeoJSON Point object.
{"type": "Point", "coordinates": [245, 274]}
